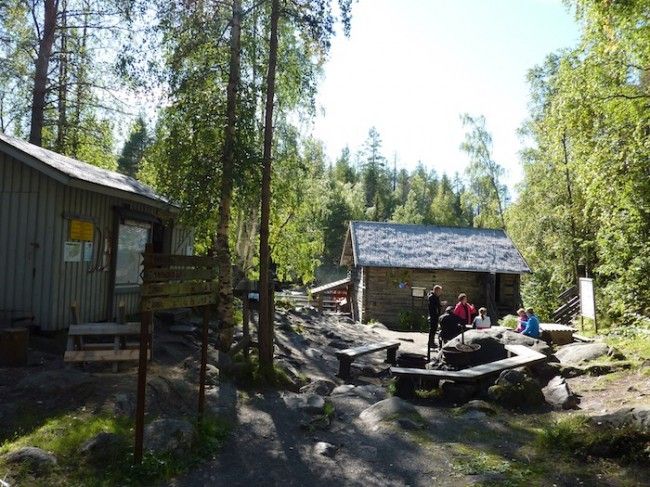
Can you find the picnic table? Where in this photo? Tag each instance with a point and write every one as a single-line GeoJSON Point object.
{"type": "Point", "coordinates": [85, 343]}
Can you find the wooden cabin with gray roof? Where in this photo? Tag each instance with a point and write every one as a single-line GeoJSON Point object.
{"type": "Point", "coordinates": [73, 233]}
{"type": "Point", "coordinates": [392, 266]}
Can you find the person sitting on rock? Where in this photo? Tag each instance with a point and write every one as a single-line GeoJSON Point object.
{"type": "Point", "coordinates": [482, 321]}
{"type": "Point", "coordinates": [451, 325]}
{"type": "Point", "coordinates": [532, 325]}
{"type": "Point", "coordinates": [521, 321]}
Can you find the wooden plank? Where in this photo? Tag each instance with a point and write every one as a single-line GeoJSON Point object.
{"type": "Point", "coordinates": [104, 329]}
{"type": "Point", "coordinates": [473, 373]}
{"type": "Point", "coordinates": [167, 302]}
{"type": "Point", "coordinates": [100, 355]}
{"type": "Point", "coordinates": [153, 275]}
{"type": "Point", "coordinates": [177, 288]}
{"type": "Point", "coordinates": [170, 260]}
{"type": "Point", "coordinates": [372, 347]}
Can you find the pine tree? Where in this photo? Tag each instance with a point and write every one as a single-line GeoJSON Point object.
{"type": "Point", "coordinates": [134, 148]}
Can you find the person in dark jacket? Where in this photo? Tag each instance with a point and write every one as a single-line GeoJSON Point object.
{"type": "Point", "coordinates": [451, 325]}
{"type": "Point", "coordinates": [434, 316]}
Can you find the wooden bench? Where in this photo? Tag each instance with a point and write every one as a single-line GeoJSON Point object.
{"type": "Point", "coordinates": [522, 356]}
{"type": "Point", "coordinates": [347, 356]}
{"type": "Point", "coordinates": [116, 349]}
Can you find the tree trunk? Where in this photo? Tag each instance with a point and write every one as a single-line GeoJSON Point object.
{"type": "Point", "coordinates": [265, 331]}
{"type": "Point", "coordinates": [45, 43]}
{"type": "Point", "coordinates": [574, 235]}
{"type": "Point", "coordinates": [63, 82]}
{"type": "Point", "coordinates": [225, 305]}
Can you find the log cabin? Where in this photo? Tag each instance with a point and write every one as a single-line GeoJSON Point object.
{"type": "Point", "coordinates": [392, 266]}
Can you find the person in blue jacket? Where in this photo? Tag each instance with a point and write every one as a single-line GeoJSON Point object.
{"type": "Point", "coordinates": [532, 325]}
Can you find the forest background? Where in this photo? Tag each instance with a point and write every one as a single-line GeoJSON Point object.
{"type": "Point", "coordinates": [73, 71]}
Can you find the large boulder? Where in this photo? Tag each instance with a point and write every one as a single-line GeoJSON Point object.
{"type": "Point", "coordinates": [391, 409]}
{"type": "Point", "coordinates": [558, 394]}
{"type": "Point", "coordinates": [325, 449]}
{"type": "Point", "coordinates": [306, 403]}
{"type": "Point", "coordinates": [516, 390]}
{"type": "Point", "coordinates": [169, 436]}
{"type": "Point", "coordinates": [101, 449]}
{"type": "Point", "coordinates": [577, 353]}
{"type": "Point", "coordinates": [456, 392]}
{"type": "Point", "coordinates": [635, 417]}
{"type": "Point", "coordinates": [36, 460]}
{"type": "Point", "coordinates": [322, 387]}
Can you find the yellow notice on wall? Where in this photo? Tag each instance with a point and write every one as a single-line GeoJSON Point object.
{"type": "Point", "coordinates": [81, 230]}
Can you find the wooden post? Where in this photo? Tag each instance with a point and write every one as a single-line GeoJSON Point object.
{"type": "Point", "coordinates": [121, 313]}
{"type": "Point", "coordinates": [145, 322]}
{"type": "Point", "coordinates": [246, 320]}
{"type": "Point", "coordinates": [320, 302]}
{"type": "Point", "coordinates": [121, 341]}
{"type": "Point", "coordinates": [204, 361]}
{"type": "Point", "coordinates": [74, 310]}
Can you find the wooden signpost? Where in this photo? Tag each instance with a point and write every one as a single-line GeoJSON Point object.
{"type": "Point", "coordinates": [172, 281]}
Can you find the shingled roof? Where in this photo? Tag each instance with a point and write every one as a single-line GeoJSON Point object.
{"type": "Point", "coordinates": [79, 174]}
{"type": "Point", "coordinates": [378, 244]}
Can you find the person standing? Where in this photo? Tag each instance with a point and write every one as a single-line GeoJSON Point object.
{"type": "Point", "coordinates": [434, 314]}
{"type": "Point", "coordinates": [464, 310]}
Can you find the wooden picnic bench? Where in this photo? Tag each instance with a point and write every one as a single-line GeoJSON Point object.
{"type": "Point", "coordinates": [521, 356]}
{"type": "Point", "coordinates": [347, 356]}
{"type": "Point", "coordinates": [118, 348]}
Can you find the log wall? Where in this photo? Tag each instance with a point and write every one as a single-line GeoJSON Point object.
{"type": "Point", "coordinates": [380, 297]}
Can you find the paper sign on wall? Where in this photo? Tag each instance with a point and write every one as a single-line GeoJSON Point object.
{"type": "Point", "coordinates": [88, 251]}
{"type": "Point", "coordinates": [72, 252]}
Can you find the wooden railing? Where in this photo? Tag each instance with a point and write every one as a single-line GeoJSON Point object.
{"type": "Point", "coordinates": [570, 307]}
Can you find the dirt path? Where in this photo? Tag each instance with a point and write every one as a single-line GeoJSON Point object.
{"type": "Point", "coordinates": [444, 447]}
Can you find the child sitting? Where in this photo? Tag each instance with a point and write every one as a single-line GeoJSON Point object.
{"type": "Point", "coordinates": [521, 321]}
{"type": "Point", "coordinates": [482, 321]}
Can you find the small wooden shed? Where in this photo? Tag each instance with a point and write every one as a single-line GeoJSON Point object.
{"type": "Point", "coordinates": [73, 232]}
{"type": "Point", "coordinates": [388, 260]}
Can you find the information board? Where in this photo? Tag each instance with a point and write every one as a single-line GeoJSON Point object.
{"type": "Point", "coordinates": [587, 299]}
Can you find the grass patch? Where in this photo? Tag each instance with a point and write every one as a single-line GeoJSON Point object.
{"type": "Point", "coordinates": [428, 393]}
{"type": "Point", "coordinates": [507, 473]}
{"type": "Point", "coordinates": [249, 375]}
{"type": "Point", "coordinates": [579, 437]}
{"type": "Point", "coordinates": [65, 434]}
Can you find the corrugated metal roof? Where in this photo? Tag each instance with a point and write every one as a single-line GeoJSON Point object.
{"type": "Point", "coordinates": [330, 285]}
{"type": "Point", "coordinates": [78, 170]}
{"type": "Point", "coordinates": [377, 244]}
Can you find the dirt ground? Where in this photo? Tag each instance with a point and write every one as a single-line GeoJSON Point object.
{"type": "Point", "coordinates": [275, 437]}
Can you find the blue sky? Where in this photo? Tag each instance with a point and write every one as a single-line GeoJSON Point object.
{"type": "Point", "coordinates": [411, 67]}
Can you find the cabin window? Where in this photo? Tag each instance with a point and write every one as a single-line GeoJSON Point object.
{"type": "Point", "coordinates": [132, 238]}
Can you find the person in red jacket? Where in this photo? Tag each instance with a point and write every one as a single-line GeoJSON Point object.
{"type": "Point", "coordinates": [464, 310]}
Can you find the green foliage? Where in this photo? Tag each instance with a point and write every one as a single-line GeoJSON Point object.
{"type": "Point", "coordinates": [509, 321]}
{"type": "Point", "coordinates": [586, 172]}
{"type": "Point", "coordinates": [63, 436]}
{"type": "Point", "coordinates": [488, 195]}
{"type": "Point", "coordinates": [134, 148]}
{"type": "Point", "coordinates": [582, 438]}
{"type": "Point", "coordinates": [411, 320]}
